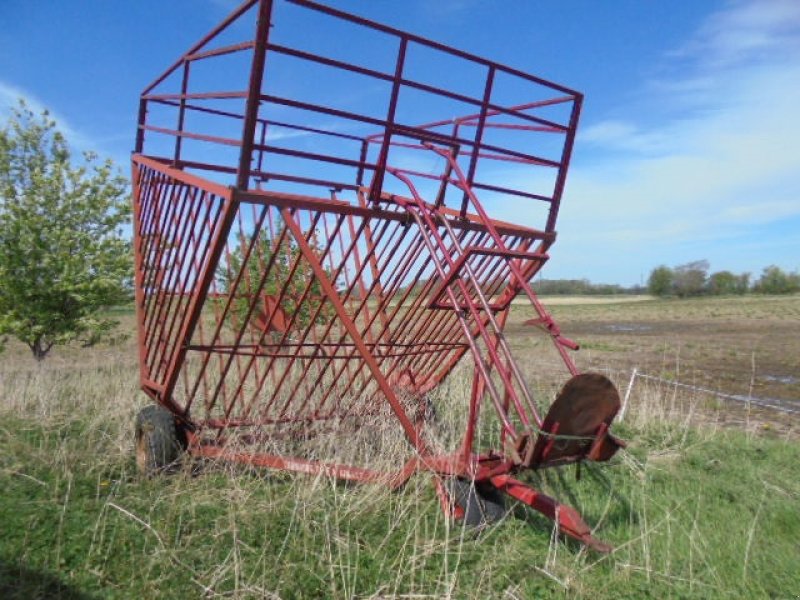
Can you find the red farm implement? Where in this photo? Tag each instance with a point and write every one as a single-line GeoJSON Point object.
{"type": "Point", "coordinates": [315, 256]}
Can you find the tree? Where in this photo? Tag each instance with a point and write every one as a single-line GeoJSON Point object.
{"type": "Point", "coordinates": [774, 281]}
{"type": "Point", "coordinates": [62, 254]}
{"type": "Point", "coordinates": [742, 283]}
{"type": "Point", "coordinates": [690, 279]}
{"type": "Point", "coordinates": [725, 283]}
{"type": "Point", "coordinates": [661, 280]}
{"type": "Point", "coordinates": [721, 283]}
{"type": "Point", "coordinates": [280, 280]}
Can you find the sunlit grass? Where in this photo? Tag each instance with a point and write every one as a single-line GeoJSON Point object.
{"type": "Point", "coordinates": [694, 508]}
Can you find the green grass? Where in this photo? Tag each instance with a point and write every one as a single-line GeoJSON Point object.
{"type": "Point", "coordinates": [693, 513]}
{"type": "Point", "coordinates": [695, 508]}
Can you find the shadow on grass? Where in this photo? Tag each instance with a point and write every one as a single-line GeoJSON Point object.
{"type": "Point", "coordinates": [18, 582]}
{"type": "Point", "coordinates": [559, 485]}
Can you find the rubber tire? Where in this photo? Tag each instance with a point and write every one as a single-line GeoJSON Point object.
{"type": "Point", "coordinates": [483, 504]}
{"type": "Point", "coordinates": [159, 442]}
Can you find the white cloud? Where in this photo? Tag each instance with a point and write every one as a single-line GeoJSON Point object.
{"type": "Point", "coordinates": [79, 140]}
{"type": "Point", "coordinates": [701, 182]}
{"type": "Point", "coordinates": [744, 32]}
{"type": "Point", "coordinates": [10, 96]}
{"type": "Point", "coordinates": [622, 135]}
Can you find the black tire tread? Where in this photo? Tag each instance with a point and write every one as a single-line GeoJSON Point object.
{"type": "Point", "coordinates": [163, 444]}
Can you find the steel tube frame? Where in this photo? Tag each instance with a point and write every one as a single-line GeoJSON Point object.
{"type": "Point", "coordinates": [378, 298]}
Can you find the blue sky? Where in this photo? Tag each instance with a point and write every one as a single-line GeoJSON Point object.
{"type": "Point", "coordinates": [688, 144]}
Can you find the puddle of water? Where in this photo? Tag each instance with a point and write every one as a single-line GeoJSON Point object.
{"type": "Point", "coordinates": [785, 379]}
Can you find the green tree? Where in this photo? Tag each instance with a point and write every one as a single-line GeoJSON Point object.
{"type": "Point", "coordinates": [62, 254]}
{"type": "Point", "coordinates": [723, 283]}
{"type": "Point", "coordinates": [742, 283]}
{"type": "Point", "coordinates": [690, 279]}
{"type": "Point", "coordinates": [280, 279]}
{"type": "Point", "coordinates": [727, 283]}
{"type": "Point", "coordinates": [660, 282]}
{"type": "Point", "coordinates": [774, 280]}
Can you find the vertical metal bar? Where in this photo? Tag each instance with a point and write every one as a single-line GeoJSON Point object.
{"type": "Point", "coordinates": [233, 289]}
{"type": "Point", "coordinates": [473, 161]}
{"type": "Point", "coordinates": [197, 260]}
{"type": "Point", "coordinates": [310, 328]}
{"type": "Point", "coordinates": [179, 271]}
{"type": "Point", "coordinates": [138, 286]}
{"type": "Point", "coordinates": [269, 239]}
{"type": "Point", "coordinates": [448, 168]}
{"type": "Point", "coordinates": [205, 237]}
{"type": "Point", "coordinates": [334, 274]}
{"type": "Point", "coordinates": [254, 94]}
{"type": "Point", "coordinates": [370, 243]}
{"type": "Point", "coordinates": [161, 313]}
{"type": "Point", "coordinates": [277, 241]}
{"type": "Point", "coordinates": [151, 240]}
{"type": "Point", "coordinates": [280, 298]}
{"type": "Point", "coordinates": [362, 159]}
{"type": "Point", "coordinates": [475, 397]}
{"type": "Point", "coordinates": [181, 113]}
{"type": "Point", "coordinates": [141, 121]}
{"type": "Point", "coordinates": [354, 237]}
{"type": "Point", "coordinates": [262, 142]}
{"type": "Point", "coordinates": [338, 373]}
{"type": "Point", "coordinates": [566, 155]}
{"type": "Point", "coordinates": [380, 167]}
{"type": "Point", "coordinates": [254, 297]}
{"type": "Point", "coordinates": [157, 301]}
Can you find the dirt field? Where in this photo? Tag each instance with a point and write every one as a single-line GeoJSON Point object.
{"type": "Point", "coordinates": [743, 346]}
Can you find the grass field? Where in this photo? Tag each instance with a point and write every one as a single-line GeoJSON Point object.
{"type": "Point", "coordinates": [705, 503]}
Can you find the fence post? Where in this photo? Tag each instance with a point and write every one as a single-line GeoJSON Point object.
{"type": "Point", "coordinates": [627, 395]}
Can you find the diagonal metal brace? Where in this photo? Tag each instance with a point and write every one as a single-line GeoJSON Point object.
{"type": "Point", "coordinates": [566, 518]}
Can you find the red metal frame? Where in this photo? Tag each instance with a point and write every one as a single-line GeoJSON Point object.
{"type": "Point", "coordinates": [302, 288]}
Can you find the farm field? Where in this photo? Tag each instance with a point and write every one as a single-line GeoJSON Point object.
{"type": "Point", "coordinates": [745, 345]}
{"type": "Point", "coordinates": [704, 503]}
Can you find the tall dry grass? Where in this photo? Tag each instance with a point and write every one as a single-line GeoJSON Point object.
{"type": "Point", "coordinates": [217, 530]}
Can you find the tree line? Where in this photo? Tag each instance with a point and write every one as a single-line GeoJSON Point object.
{"type": "Point", "coordinates": [682, 281]}
{"type": "Point", "coordinates": [693, 279]}
{"type": "Point", "coordinates": [582, 287]}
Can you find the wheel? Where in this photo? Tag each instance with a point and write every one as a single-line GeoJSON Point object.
{"type": "Point", "coordinates": [483, 504]}
{"type": "Point", "coordinates": [159, 440]}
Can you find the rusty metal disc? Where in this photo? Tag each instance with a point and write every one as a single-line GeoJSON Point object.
{"type": "Point", "coordinates": [578, 420]}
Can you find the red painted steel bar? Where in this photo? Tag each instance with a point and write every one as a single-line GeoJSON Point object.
{"type": "Point", "coordinates": [251, 110]}
{"type": "Point", "coordinates": [426, 42]}
{"type": "Point", "coordinates": [243, 8]}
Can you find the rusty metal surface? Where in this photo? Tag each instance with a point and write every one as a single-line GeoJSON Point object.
{"type": "Point", "coordinates": [306, 269]}
{"type": "Point", "coordinates": [576, 426]}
